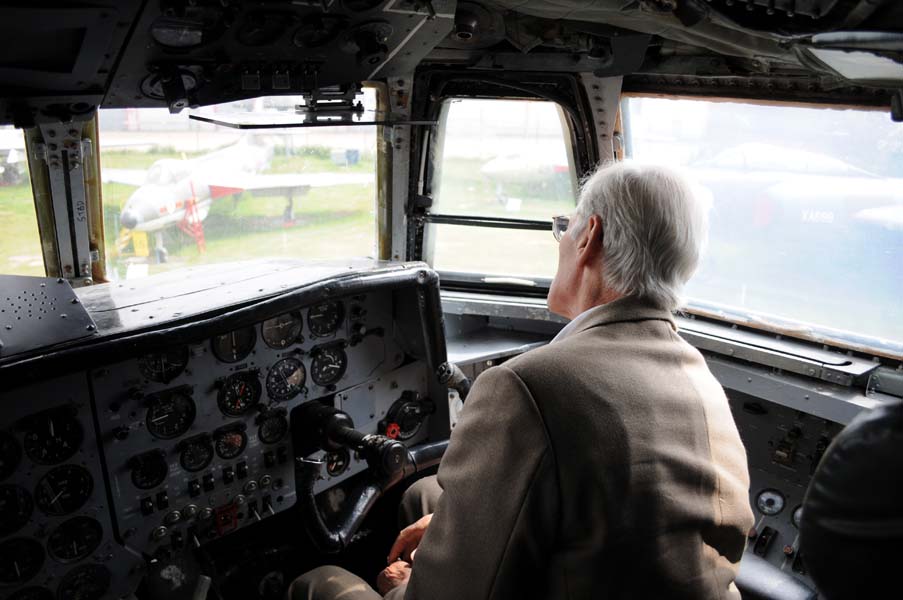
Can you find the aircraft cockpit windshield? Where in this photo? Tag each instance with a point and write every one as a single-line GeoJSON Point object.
{"type": "Point", "coordinates": [180, 192]}
{"type": "Point", "coordinates": [806, 215]}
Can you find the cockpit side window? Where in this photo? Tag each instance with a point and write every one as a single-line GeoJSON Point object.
{"type": "Point", "coordinates": [180, 193]}
{"type": "Point", "coordinates": [503, 169]}
{"type": "Point", "coordinates": [806, 221]}
{"type": "Point", "coordinates": [20, 244]}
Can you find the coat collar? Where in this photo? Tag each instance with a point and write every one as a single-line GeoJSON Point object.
{"type": "Point", "coordinates": [628, 308]}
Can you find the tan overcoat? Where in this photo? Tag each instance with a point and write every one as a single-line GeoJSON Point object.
{"type": "Point", "coordinates": [605, 465]}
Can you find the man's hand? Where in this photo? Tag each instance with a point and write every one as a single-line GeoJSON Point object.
{"type": "Point", "coordinates": [408, 540]}
{"type": "Point", "coordinates": [396, 574]}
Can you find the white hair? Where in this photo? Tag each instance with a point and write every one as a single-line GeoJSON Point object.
{"type": "Point", "coordinates": [654, 229]}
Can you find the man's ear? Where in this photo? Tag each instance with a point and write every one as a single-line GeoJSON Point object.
{"type": "Point", "coordinates": [589, 246]}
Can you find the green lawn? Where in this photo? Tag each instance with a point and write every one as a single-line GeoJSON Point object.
{"type": "Point", "coordinates": [20, 246]}
{"type": "Point", "coordinates": [329, 222]}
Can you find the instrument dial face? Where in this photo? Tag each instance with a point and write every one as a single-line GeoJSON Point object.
{"type": "Point", "coordinates": [16, 507]}
{"type": "Point", "coordinates": [239, 394]}
{"type": "Point", "coordinates": [196, 454]}
{"type": "Point", "coordinates": [148, 469]}
{"type": "Point", "coordinates": [20, 560]}
{"type": "Point", "coordinates": [52, 437]}
{"type": "Point", "coordinates": [233, 346]}
{"type": "Point", "coordinates": [770, 502]}
{"type": "Point", "coordinates": [75, 539]}
{"type": "Point", "coordinates": [64, 489]}
{"type": "Point", "coordinates": [281, 331]}
{"type": "Point", "coordinates": [10, 454]}
{"type": "Point", "coordinates": [164, 366]}
{"type": "Point", "coordinates": [324, 319]}
{"type": "Point", "coordinates": [88, 582]}
{"type": "Point", "coordinates": [170, 415]}
{"type": "Point", "coordinates": [337, 462]}
{"type": "Point", "coordinates": [229, 442]}
{"type": "Point", "coordinates": [328, 365]}
{"type": "Point", "coordinates": [273, 428]}
{"type": "Point", "coordinates": [286, 379]}
{"type": "Point", "coordinates": [797, 516]}
{"type": "Point", "coordinates": [32, 593]}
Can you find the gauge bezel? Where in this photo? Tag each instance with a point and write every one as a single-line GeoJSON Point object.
{"type": "Point", "coordinates": [317, 354]}
{"type": "Point", "coordinates": [314, 327]}
{"type": "Point", "coordinates": [34, 545]}
{"type": "Point", "coordinates": [228, 430]}
{"type": "Point", "coordinates": [244, 351]}
{"type": "Point", "coordinates": [81, 471]}
{"type": "Point", "coordinates": [201, 441]}
{"type": "Point", "coordinates": [284, 425]}
{"type": "Point", "coordinates": [96, 572]}
{"type": "Point", "coordinates": [167, 396]}
{"type": "Point", "coordinates": [796, 516]}
{"type": "Point", "coordinates": [283, 341]}
{"type": "Point", "coordinates": [768, 512]}
{"type": "Point", "coordinates": [75, 522]}
{"type": "Point", "coordinates": [166, 377]}
{"type": "Point", "coordinates": [32, 437]}
{"type": "Point", "coordinates": [297, 389]}
{"type": "Point", "coordinates": [249, 377]}
{"type": "Point", "coordinates": [143, 458]}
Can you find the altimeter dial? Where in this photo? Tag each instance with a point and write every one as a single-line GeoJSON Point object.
{"type": "Point", "coordinates": [286, 378]}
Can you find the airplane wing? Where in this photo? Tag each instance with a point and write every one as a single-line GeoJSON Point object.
{"type": "Point", "coordinates": [134, 177]}
{"type": "Point", "coordinates": [279, 183]}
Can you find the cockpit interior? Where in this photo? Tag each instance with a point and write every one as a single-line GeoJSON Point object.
{"type": "Point", "coordinates": [255, 253]}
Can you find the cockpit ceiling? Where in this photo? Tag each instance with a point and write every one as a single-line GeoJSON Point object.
{"type": "Point", "coordinates": [59, 62]}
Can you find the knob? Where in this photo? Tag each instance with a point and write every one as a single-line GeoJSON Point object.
{"type": "Point", "coordinates": [159, 533]}
{"type": "Point", "coordinates": [172, 517]}
{"type": "Point", "coordinates": [121, 432]}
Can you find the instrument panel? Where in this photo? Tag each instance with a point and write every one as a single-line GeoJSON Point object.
{"type": "Point", "coordinates": [109, 471]}
{"type": "Point", "coordinates": [197, 438]}
{"type": "Point", "coordinates": [56, 534]}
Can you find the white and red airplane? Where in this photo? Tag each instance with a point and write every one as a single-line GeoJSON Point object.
{"type": "Point", "coordinates": [180, 191]}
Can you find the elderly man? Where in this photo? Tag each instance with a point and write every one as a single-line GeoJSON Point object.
{"type": "Point", "coordinates": [604, 465]}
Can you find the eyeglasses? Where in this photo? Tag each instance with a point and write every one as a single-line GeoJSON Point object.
{"type": "Point", "coordinates": [560, 226]}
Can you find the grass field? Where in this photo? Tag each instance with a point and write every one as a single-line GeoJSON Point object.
{"type": "Point", "coordinates": [329, 222]}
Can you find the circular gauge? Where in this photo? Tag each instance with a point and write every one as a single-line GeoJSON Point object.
{"type": "Point", "coordinates": [797, 516]}
{"type": "Point", "coordinates": [10, 455]}
{"type": "Point", "coordinates": [75, 539]}
{"type": "Point", "coordinates": [170, 415]}
{"type": "Point", "coordinates": [52, 437]}
{"type": "Point", "coordinates": [88, 582]}
{"type": "Point", "coordinates": [20, 560]}
{"type": "Point", "coordinates": [148, 469]}
{"type": "Point", "coordinates": [328, 365]}
{"type": "Point", "coordinates": [272, 428]}
{"type": "Point", "coordinates": [337, 462]}
{"type": "Point", "coordinates": [285, 379]}
{"type": "Point", "coordinates": [281, 331]}
{"type": "Point", "coordinates": [32, 593]}
{"type": "Point", "coordinates": [233, 346]}
{"type": "Point", "coordinates": [196, 453]}
{"type": "Point", "coordinates": [239, 394]}
{"type": "Point", "coordinates": [63, 490]}
{"type": "Point", "coordinates": [229, 442]}
{"type": "Point", "coordinates": [164, 366]}
{"type": "Point", "coordinates": [323, 319]}
{"type": "Point", "coordinates": [15, 508]}
{"type": "Point", "coordinates": [770, 502]}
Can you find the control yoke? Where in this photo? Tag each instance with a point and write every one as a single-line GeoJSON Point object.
{"type": "Point", "coordinates": [389, 462]}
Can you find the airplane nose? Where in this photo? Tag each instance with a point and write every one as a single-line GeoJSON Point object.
{"type": "Point", "coordinates": [128, 220]}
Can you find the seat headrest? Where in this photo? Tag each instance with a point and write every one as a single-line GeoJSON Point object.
{"type": "Point", "coordinates": [851, 533]}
